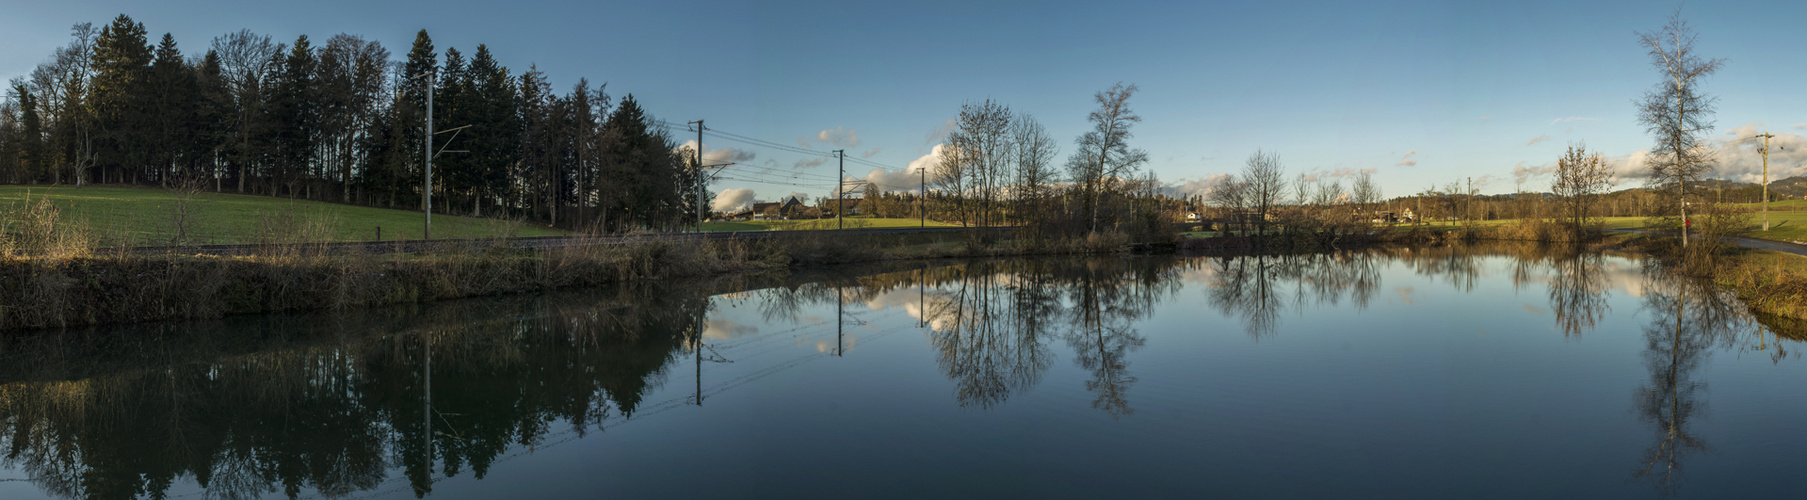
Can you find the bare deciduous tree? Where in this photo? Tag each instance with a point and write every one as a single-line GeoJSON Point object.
{"type": "Point", "coordinates": [245, 59]}
{"type": "Point", "coordinates": [1677, 113]}
{"type": "Point", "coordinates": [1580, 180]}
{"type": "Point", "coordinates": [1365, 192]}
{"type": "Point", "coordinates": [982, 135]}
{"type": "Point", "coordinates": [1035, 176]}
{"type": "Point", "coordinates": [1265, 181]}
{"type": "Point", "coordinates": [1104, 155]}
{"type": "Point", "coordinates": [948, 175]}
{"type": "Point", "coordinates": [1231, 197]}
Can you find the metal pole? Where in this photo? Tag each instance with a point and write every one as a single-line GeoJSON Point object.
{"type": "Point", "coordinates": [841, 191]}
{"type": "Point", "coordinates": [427, 155]}
{"type": "Point", "coordinates": [922, 195]}
{"type": "Point", "coordinates": [839, 316]}
{"type": "Point", "coordinates": [427, 398]}
{"type": "Point", "coordinates": [700, 182]}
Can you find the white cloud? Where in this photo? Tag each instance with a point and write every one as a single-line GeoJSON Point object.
{"type": "Point", "coordinates": [1535, 140]}
{"type": "Point", "coordinates": [1523, 174]}
{"type": "Point", "coordinates": [871, 152]}
{"type": "Point", "coordinates": [894, 180]}
{"type": "Point", "coordinates": [1574, 119]}
{"type": "Point", "coordinates": [1630, 167]}
{"type": "Point", "coordinates": [838, 136]}
{"type": "Point", "coordinates": [721, 329]}
{"type": "Point", "coordinates": [811, 162]}
{"type": "Point", "coordinates": [1740, 160]}
{"type": "Point", "coordinates": [1195, 187]}
{"type": "Point", "coordinates": [1406, 160]}
{"type": "Point", "coordinates": [721, 155]}
{"type": "Point", "coordinates": [935, 136]}
{"type": "Point", "coordinates": [1736, 157]}
{"type": "Point", "coordinates": [927, 161]}
{"type": "Point", "coordinates": [731, 200]}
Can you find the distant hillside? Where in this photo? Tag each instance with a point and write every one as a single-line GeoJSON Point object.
{"type": "Point", "coordinates": [1790, 188]}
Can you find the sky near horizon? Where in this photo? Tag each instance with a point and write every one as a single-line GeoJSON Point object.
{"type": "Point", "coordinates": [1422, 93]}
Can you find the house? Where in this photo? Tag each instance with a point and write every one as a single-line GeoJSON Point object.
{"type": "Point", "coordinates": [854, 206]}
{"type": "Point", "coordinates": [787, 209]}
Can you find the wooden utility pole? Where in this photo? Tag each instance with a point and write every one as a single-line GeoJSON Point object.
{"type": "Point", "coordinates": [922, 194]}
{"type": "Point", "coordinates": [1765, 152]}
{"type": "Point", "coordinates": [1470, 214]}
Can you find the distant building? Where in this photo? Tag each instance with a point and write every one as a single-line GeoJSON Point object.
{"type": "Point", "coordinates": [855, 206]}
{"type": "Point", "coordinates": [787, 209]}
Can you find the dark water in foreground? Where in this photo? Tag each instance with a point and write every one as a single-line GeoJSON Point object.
{"type": "Point", "coordinates": [1474, 373]}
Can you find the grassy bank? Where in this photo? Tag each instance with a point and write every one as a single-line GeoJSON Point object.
{"type": "Point", "coordinates": [147, 216]}
{"type": "Point", "coordinates": [76, 286]}
{"type": "Point", "coordinates": [850, 222]}
{"type": "Point", "coordinates": [1772, 284]}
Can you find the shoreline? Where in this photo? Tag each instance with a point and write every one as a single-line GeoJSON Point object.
{"type": "Point", "coordinates": [52, 293]}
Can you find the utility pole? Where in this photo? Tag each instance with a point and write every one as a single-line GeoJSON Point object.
{"type": "Point", "coordinates": [1470, 214]}
{"type": "Point", "coordinates": [922, 195]}
{"type": "Point", "coordinates": [840, 196]}
{"type": "Point", "coordinates": [1765, 152]}
{"type": "Point", "coordinates": [700, 180]}
{"type": "Point", "coordinates": [427, 155]}
{"type": "Point", "coordinates": [840, 314]}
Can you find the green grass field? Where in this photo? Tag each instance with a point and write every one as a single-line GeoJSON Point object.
{"type": "Point", "coordinates": [852, 223]}
{"type": "Point", "coordinates": [1783, 225]}
{"type": "Point", "coordinates": [145, 216]}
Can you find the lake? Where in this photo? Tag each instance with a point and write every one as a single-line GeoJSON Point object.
{"type": "Point", "coordinates": [1477, 372]}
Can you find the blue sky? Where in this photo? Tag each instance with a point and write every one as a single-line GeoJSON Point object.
{"type": "Point", "coordinates": [1424, 93]}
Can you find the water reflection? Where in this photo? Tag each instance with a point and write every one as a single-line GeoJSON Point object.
{"type": "Point", "coordinates": [398, 400]}
{"type": "Point", "coordinates": [1252, 287]}
{"type": "Point", "coordinates": [1691, 319]}
{"type": "Point", "coordinates": [1578, 291]}
{"type": "Point", "coordinates": [326, 410]}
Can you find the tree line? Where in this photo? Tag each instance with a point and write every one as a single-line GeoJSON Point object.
{"type": "Point", "coordinates": [343, 122]}
{"type": "Point", "coordinates": [997, 167]}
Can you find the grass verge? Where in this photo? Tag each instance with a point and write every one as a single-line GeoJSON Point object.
{"type": "Point", "coordinates": [146, 216]}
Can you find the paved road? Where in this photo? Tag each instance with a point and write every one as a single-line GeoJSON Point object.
{"type": "Point", "coordinates": [1747, 242]}
{"type": "Point", "coordinates": [536, 242]}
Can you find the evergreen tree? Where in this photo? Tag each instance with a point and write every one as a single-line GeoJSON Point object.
{"type": "Point", "coordinates": [400, 177]}
{"type": "Point", "coordinates": [493, 109]}
{"type": "Point", "coordinates": [212, 114]}
{"type": "Point", "coordinates": [171, 110]}
{"type": "Point", "coordinates": [637, 160]}
{"type": "Point", "coordinates": [30, 139]}
{"type": "Point", "coordinates": [534, 167]}
{"type": "Point", "coordinates": [292, 110]}
{"type": "Point", "coordinates": [118, 97]}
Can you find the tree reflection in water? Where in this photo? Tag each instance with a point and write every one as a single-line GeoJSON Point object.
{"type": "Point", "coordinates": [1252, 287]}
{"type": "Point", "coordinates": [1690, 319]}
{"type": "Point", "coordinates": [270, 405]}
{"type": "Point", "coordinates": [990, 323]}
{"type": "Point", "coordinates": [1578, 291]}
{"type": "Point", "coordinates": [283, 404]}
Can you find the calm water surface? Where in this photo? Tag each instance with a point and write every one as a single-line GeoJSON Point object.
{"type": "Point", "coordinates": [1474, 373]}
